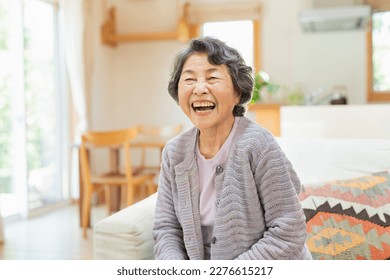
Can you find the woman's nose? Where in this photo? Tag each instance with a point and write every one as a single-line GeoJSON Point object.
{"type": "Point", "coordinates": [200, 88]}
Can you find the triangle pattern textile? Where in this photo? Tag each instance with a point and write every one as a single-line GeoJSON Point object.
{"type": "Point", "coordinates": [349, 219]}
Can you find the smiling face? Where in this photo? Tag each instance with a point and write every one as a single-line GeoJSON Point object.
{"type": "Point", "coordinates": [206, 94]}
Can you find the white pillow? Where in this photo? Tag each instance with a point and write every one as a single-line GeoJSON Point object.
{"type": "Point", "coordinates": [127, 234]}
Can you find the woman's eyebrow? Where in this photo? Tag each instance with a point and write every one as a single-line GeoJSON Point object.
{"type": "Point", "coordinates": [210, 70]}
{"type": "Point", "coordinates": [189, 71]}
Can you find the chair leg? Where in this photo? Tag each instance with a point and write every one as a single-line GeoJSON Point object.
{"type": "Point", "coordinates": [107, 197]}
{"type": "Point", "coordinates": [151, 187]}
{"type": "Point", "coordinates": [86, 210]}
{"type": "Point", "coordinates": [130, 195]}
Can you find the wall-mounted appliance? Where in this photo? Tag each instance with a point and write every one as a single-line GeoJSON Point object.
{"type": "Point", "coordinates": [335, 18]}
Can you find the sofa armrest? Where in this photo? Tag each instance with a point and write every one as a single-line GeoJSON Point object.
{"type": "Point", "coordinates": [126, 234]}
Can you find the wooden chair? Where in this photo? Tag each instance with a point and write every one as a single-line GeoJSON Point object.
{"type": "Point", "coordinates": [116, 142]}
{"type": "Point", "coordinates": [160, 131]}
{"type": "Point", "coordinates": [154, 137]}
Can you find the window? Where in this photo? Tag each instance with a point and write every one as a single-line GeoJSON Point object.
{"type": "Point", "coordinates": [237, 34]}
{"type": "Point", "coordinates": [379, 57]}
{"type": "Point", "coordinates": [235, 22]}
{"type": "Point", "coordinates": [32, 115]}
{"type": "Point", "coordinates": [242, 35]}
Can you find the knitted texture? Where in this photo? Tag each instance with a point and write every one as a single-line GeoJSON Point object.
{"type": "Point", "coordinates": [259, 215]}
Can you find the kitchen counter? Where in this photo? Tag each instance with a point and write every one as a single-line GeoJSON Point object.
{"type": "Point", "coordinates": [268, 116]}
{"type": "Point", "coordinates": [336, 121]}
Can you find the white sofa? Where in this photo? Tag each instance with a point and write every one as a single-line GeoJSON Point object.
{"type": "Point", "coordinates": [127, 234]}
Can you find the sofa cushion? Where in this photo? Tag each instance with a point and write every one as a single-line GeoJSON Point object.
{"type": "Point", "coordinates": [349, 219]}
{"type": "Point", "coordinates": [127, 234]}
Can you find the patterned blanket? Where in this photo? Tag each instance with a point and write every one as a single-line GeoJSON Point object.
{"type": "Point", "coordinates": [349, 219]}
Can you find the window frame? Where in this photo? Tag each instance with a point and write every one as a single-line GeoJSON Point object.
{"type": "Point", "coordinates": [256, 41]}
{"type": "Point", "coordinates": [372, 95]}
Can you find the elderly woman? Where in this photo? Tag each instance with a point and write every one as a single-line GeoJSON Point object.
{"type": "Point", "coordinates": [226, 189]}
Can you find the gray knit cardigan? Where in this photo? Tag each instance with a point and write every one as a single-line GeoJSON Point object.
{"type": "Point", "coordinates": [258, 216]}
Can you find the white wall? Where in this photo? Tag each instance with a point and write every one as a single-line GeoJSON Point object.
{"type": "Point", "coordinates": [141, 76]}
{"type": "Point", "coordinates": [132, 77]}
{"type": "Point", "coordinates": [312, 60]}
{"type": "Point", "coordinates": [334, 58]}
{"type": "Point", "coordinates": [130, 81]}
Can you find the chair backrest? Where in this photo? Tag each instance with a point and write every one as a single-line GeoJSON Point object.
{"type": "Point", "coordinates": [160, 131]}
{"type": "Point", "coordinates": [113, 140]}
{"type": "Point", "coordinates": [109, 138]}
{"type": "Point", "coordinates": [153, 132]}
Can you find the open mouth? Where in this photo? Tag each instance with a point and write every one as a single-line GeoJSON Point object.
{"type": "Point", "coordinates": [203, 106]}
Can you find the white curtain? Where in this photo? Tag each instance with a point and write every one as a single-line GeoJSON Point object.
{"type": "Point", "coordinates": [74, 34]}
{"type": "Point", "coordinates": [78, 46]}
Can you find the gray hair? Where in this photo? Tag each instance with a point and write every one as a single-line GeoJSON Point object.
{"type": "Point", "coordinates": [218, 53]}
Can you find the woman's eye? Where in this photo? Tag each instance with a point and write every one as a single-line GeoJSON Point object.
{"type": "Point", "coordinates": [213, 78]}
{"type": "Point", "coordinates": [189, 79]}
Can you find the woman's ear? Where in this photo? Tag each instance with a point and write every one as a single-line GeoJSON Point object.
{"type": "Point", "coordinates": [238, 98]}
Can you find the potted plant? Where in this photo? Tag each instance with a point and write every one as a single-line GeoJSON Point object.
{"type": "Point", "coordinates": [262, 81]}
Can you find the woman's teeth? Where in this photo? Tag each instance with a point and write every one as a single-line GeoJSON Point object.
{"type": "Point", "coordinates": [203, 106]}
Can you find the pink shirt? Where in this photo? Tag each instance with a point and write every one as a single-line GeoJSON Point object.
{"type": "Point", "coordinates": [208, 197]}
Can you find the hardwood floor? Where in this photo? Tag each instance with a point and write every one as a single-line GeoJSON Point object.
{"type": "Point", "coordinates": [53, 236]}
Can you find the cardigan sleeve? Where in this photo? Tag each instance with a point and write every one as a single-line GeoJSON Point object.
{"type": "Point", "coordinates": [278, 187]}
{"type": "Point", "coordinates": [167, 231]}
